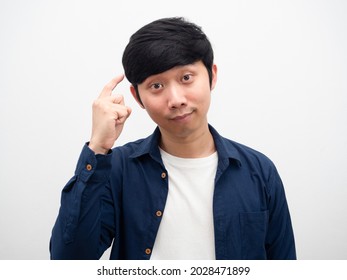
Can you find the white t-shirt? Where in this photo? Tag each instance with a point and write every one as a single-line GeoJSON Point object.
{"type": "Point", "coordinates": [186, 231]}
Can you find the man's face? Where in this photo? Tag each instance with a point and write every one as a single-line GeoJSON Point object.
{"type": "Point", "coordinates": [178, 99]}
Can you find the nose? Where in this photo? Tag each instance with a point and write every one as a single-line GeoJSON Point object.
{"type": "Point", "coordinates": [176, 97]}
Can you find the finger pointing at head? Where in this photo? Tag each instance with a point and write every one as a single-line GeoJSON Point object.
{"type": "Point", "coordinates": [110, 86]}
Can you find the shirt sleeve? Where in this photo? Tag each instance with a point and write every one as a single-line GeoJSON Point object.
{"type": "Point", "coordinates": [280, 243]}
{"type": "Point", "coordinates": [77, 233]}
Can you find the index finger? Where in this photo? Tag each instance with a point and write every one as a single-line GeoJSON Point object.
{"type": "Point", "coordinates": [111, 85]}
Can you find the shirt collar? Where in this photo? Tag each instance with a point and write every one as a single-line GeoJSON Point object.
{"type": "Point", "coordinates": [149, 145]}
{"type": "Point", "coordinates": [225, 148]}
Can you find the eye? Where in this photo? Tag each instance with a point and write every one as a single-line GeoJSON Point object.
{"type": "Point", "coordinates": [156, 86]}
{"type": "Point", "coordinates": [187, 78]}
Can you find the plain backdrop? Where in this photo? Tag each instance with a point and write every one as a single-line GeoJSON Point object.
{"type": "Point", "coordinates": [282, 89]}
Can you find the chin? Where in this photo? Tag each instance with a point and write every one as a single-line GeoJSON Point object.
{"type": "Point", "coordinates": [180, 131]}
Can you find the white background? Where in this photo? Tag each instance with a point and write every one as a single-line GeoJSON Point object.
{"type": "Point", "coordinates": [282, 90]}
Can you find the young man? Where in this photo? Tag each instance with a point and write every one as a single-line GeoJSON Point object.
{"type": "Point", "coordinates": [185, 192]}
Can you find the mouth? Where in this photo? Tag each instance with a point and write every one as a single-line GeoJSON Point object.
{"type": "Point", "coordinates": [182, 117]}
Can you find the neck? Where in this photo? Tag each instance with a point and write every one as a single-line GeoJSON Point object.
{"type": "Point", "coordinates": [195, 145]}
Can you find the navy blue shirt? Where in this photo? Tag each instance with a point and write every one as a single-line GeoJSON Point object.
{"type": "Point", "coordinates": [115, 198]}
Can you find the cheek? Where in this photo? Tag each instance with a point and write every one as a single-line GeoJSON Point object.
{"type": "Point", "coordinates": [203, 98]}
{"type": "Point", "coordinates": [154, 109]}
{"type": "Point", "coordinates": [152, 104]}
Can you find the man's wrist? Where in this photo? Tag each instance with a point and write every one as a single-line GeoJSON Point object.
{"type": "Point", "coordinates": [97, 149]}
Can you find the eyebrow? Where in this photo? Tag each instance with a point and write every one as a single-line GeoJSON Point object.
{"type": "Point", "coordinates": [190, 67]}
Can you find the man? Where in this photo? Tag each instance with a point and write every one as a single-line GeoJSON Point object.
{"type": "Point", "coordinates": [184, 192]}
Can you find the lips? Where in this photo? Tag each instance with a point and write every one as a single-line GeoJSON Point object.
{"type": "Point", "coordinates": [181, 117]}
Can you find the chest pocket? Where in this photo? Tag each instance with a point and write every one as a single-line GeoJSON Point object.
{"type": "Point", "coordinates": [253, 227]}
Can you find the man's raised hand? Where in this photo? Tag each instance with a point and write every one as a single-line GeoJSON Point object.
{"type": "Point", "coordinates": [109, 116]}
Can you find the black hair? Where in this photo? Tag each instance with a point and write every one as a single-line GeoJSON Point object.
{"type": "Point", "coordinates": [162, 45]}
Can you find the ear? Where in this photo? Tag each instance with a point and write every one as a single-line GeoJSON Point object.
{"type": "Point", "coordinates": [136, 96]}
{"type": "Point", "coordinates": [214, 76]}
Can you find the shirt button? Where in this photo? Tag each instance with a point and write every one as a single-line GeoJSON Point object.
{"type": "Point", "coordinates": [158, 213]}
{"type": "Point", "coordinates": [148, 251]}
{"type": "Point", "coordinates": [163, 175]}
{"type": "Point", "coordinates": [89, 167]}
